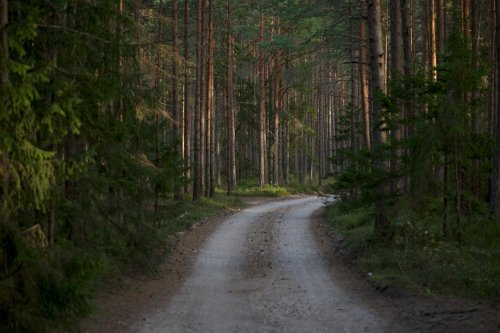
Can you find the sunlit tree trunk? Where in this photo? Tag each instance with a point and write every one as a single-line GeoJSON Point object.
{"type": "Point", "coordinates": [363, 74]}
{"type": "Point", "coordinates": [198, 126]}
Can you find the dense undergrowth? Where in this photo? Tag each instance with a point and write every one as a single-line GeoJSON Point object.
{"type": "Point", "coordinates": [47, 289]}
{"type": "Point", "coordinates": [415, 254]}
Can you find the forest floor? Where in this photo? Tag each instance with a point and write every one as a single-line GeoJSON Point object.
{"type": "Point", "coordinates": [278, 253]}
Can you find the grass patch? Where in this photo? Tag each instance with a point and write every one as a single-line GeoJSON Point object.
{"type": "Point", "coordinates": [250, 188]}
{"type": "Point", "coordinates": [418, 257]}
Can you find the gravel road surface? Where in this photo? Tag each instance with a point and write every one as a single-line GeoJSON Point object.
{"type": "Point", "coordinates": [262, 271]}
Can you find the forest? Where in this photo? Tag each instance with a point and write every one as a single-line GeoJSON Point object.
{"type": "Point", "coordinates": [118, 116]}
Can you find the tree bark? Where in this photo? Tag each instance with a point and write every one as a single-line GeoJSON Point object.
{"type": "Point", "coordinates": [187, 109]}
{"type": "Point", "coordinates": [432, 39]}
{"type": "Point", "coordinates": [440, 30]}
{"type": "Point", "coordinates": [365, 92]}
{"type": "Point", "coordinates": [378, 86]}
{"type": "Point", "coordinates": [396, 39]}
{"type": "Point", "coordinates": [157, 88]}
{"type": "Point", "coordinates": [353, 84]}
{"type": "Point", "coordinates": [176, 115]}
{"type": "Point", "coordinates": [495, 176]}
{"type": "Point", "coordinates": [5, 41]}
{"type": "Point", "coordinates": [262, 109]}
{"type": "Point", "coordinates": [276, 120]}
{"type": "Point", "coordinates": [231, 149]}
{"type": "Point", "coordinates": [197, 185]}
{"type": "Point", "coordinates": [210, 104]}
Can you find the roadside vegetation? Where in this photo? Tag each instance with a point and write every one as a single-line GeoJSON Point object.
{"type": "Point", "coordinates": [54, 289]}
{"type": "Point", "coordinates": [416, 256]}
{"type": "Point", "coordinates": [123, 122]}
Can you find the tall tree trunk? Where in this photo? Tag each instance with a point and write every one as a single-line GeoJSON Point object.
{"type": "Point", "coordinates": [378, 80]}
{"type": "Point", "coordinates": [432, 39]}
{"type": "Point", "coordinates": [396, 39]}
{"type": "Point", "coordinates": [157, 88]}
{"type": "Point", "coordinates": [475, 60]}
{"type": "Point", "coordinates": [440, 30]}
{"type": "Point", "coordinates": [213, 125]}
{"type": "Point", "coordinates": [5, 41]}
{"type": "Point", "coordinates": [187, 109]}
{"type": "Point", "coordinates": [353, 80]}
{"type": "Point", "coordinates": [198, 163]}
{"type": "Point", "coordinates": [466, 19]}
{"type": "Point", "coordinates": [203, 96]}
{"type": "Point", "coordinates": [363, 71]}
{"type": "Point", "coordinates": [211, 103]}
{"type": "Point", "coordinates": [276, 120]}
{"type": "Point", "coordinates": [176, 115]}
{"type": "Point", "coordinates": [495, 176]}
{"type": "Point", "coordinates": [231, 149]}
{"type": "Point", "coordinates": [262, 109]}
{"type": "Point", "coordinates": [407, 54]}
{"type": "Point", "coordinates": [396, 73]}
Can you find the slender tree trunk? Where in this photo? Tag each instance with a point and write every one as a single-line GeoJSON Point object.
{"type": "Point", "coordinates": [432, 39]}
{"type": "Point", "coordinates": [157, 88]}
{"type": "Point", "coordinates": [197, 186]}
{"type": "Point", "coordinates": [407, 53]}
{"type": "Point", "coordinates": [495, 176]}
{"type": "Point", "coordinates": [187, 109]}
{"type": "Point", "coordinates": [210, 103]}
{"type": "Point", "coordinates": [378, 80]}
{"type": "Point", "coordinates": [276, 120]}
{"type": "Point", "coordinates": [396, 39]}
{"type": "Point", "coordinates": [365, 92]}
{"type": "Point", "coordinates": [466, 19]}
{"type": "Point", "coordinates": [396, 73]}
{"type": "Point", "coordinates": [440, 30]}
{"type": "Point", "coordinates": [493, 103]}
{"type": "Point", "coordinates": [5, 41]}
{"type": "Point", "coordinates": [353, 80]}
{"type": "Point", "coordinates": [212, 100]}
{"type": "Point", "coordinates": [231, 149]}
{"type": "Point", "coordinates": [175, 91]}
{"type": "Point", "coordinates": [475, 61]}
{"type": "Point", "coordinates": [262, 110]}
{"type": "Point", "coordinates": [203, 96]}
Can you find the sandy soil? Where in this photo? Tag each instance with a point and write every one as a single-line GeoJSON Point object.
{"type": "Point", "coordinates": [273, 268]}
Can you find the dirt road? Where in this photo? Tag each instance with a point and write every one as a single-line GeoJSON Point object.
{"type": "Point", "coordinates": [261, 271]}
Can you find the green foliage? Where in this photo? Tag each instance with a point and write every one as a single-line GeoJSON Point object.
{"type": "Point", "coordinates": [417, 257]}
{"type": "Point", "coordinates": [433, 175]}
{"type": "Point", "coordinates": [78, 131]}
{"type": "Point", "coordinates": [250, 188]}
{"type": "Point", "coordinates": [41, 289]}
{"type": "Point", "coordinates": [354, 223]}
